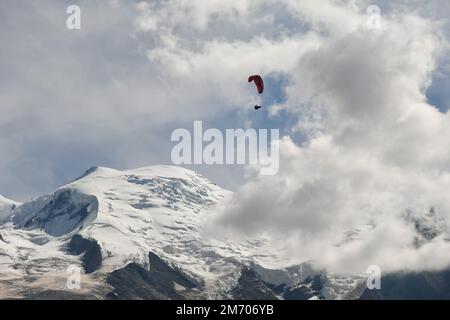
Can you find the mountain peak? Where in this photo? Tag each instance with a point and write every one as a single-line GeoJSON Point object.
{"type": "Point", "coordinates": [154, 171]}
{"type": "Point", "coordinates": [95, 170]}
{"type": "Point", "coordinates": [109, 197]}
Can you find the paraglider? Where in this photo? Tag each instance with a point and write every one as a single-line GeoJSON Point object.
{"type": "Point", "coordinates": [259, 85]}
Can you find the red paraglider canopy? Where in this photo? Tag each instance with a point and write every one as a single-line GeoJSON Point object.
{"type": "Point", "coordinates": [258, 82]}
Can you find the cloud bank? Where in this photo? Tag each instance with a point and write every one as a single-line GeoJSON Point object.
{"type": "Point", "coordinates": [365, 155]}
{"type": "Point", "coordinates": [374, 156]}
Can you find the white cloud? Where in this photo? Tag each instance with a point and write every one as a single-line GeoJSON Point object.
{"type": "Point", "coordinates": [376, 148]}
{"type": "Point", "coordinates": [371, 146]}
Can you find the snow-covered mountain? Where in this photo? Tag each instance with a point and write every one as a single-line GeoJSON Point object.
{"type": "Point", "coordinates": [122, 225]}
{"type": "Point", "coordinates": [140, 234]}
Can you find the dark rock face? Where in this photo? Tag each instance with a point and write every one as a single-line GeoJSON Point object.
{"type": "Point", "coordinates": [60, 214]}
{"type": "Point", "coordinates": [250, 287]}
{"type": "Point", "coordinates": [167, 274]}
{"type": "Point", "coordinates": [134, 282]}
{"type": "Point", "coordinates": [92, 258]}
{"type": "Point", "coordinates": [299, 293]}
{"type": "Point", "coordinates": [408, 286]}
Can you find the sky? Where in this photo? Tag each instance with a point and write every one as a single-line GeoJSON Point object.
{"type": "Point", "coordinates": [362, 111]}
